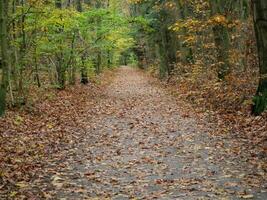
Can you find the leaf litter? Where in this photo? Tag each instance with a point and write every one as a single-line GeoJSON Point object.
{"type": "Point", "coordinates": [126, 139]}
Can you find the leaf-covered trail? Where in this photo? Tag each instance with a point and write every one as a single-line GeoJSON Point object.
{"type": "Point", "coordinates": [139, 146]}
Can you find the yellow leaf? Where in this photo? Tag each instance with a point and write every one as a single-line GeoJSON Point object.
{"type": "Point", "coordinates": [248, 196]}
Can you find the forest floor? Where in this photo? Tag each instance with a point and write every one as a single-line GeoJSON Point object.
{"type": "Point", "coordinates": [129, 139]}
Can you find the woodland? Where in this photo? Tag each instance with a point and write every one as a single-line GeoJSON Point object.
{"type": "Point", "coordinates": [185, 80]}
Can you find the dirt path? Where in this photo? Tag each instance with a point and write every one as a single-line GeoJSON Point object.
{"type": "Point", "coordinates": [138, 146]}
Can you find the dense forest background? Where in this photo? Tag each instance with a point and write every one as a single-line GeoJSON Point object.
{"type": "Point", "coordinates": [51, 43]}
{"type": "Point", "coordinates": [207, 48]}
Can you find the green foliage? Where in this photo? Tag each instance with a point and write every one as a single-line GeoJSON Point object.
{"type": "Point", "coordinates": [51, 44]}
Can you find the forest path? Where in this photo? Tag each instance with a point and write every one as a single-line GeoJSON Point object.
{"type": "Point", "coordinates": [139, 146]}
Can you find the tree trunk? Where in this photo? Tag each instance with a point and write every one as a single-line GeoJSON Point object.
{"type": "Point", "coordinates": [79, 5]}
{"type": "Point", "coordinates": [186, 51]}
{"type": "Point", "coordinates": [14, 64]}
{"type": "Point", "coordinates": [260, 24]}
{"type": "Point", "coordinates": [58, 4]}
{"type": "Point", "coordinates": [163, 70]}
{"type": "Point", "coordinates": [4, 49]}
{"type": "Point", "coordinates": [98, 63]}
{"type": "Point", "coordinates": [35, 55]}
{"type": "Point", "coordinates": [84, 75]}
{"type": "Point", "coordinates": [109, 59]}
{"type": "Point", "coordinates": [61, 76]}
{"type": "Point", "coordinates": [221, 38]}
{"type": "Point", "coordinates": [60, 68]}
{"type": "Point", "coordinates": [167, 46]}
{"type": "Point", "coordinates": [222, 42]}
{"type": "Point", "coordinates": [22, 57]}
{"type": "Point", "coordinates": [71, 62]}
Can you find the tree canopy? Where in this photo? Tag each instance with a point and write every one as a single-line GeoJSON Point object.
{"type": "Point", "coordinates": [50, 42]}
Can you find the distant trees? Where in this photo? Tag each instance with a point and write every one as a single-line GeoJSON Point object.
{"type": "Point", "coordinates": [50, 43]}
{"type": "Point", "coordinates": [159, 43]}
{"type": "Point", "coordinates": [202, 40]}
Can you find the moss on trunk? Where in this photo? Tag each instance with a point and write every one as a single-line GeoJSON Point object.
{"type": "Point", "coordinates": [260, 99]}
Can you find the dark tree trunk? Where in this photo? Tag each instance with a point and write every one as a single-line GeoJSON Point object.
{"type": "Point", "coordinates": [60, 68]}
{"type": "Point", "coordinates": [222, 43]}
{"type": "Point", "coordinates": [84, 75]}
{"type": "Point", "coordinates": [61, 76]}
{"type": "Point", "coordinates": [58, 4]}
{"type": "Point", "coordinates": [260, 22]}
{"type": "Point", "coordinates": [79, 5]}
{"type": "Point", "coordinates": [186, 51]}
{"type": "Point", "coordinates": [221, 38]}
{"type": "Point", "coordinates": [4, 49]}
{"type": "Point", "coordinates": [98, 63]}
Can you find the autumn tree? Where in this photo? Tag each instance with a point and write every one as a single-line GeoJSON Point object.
{"type": "Point", "coordinates": [50, 43]}
{"type": "Point", "coordinates": [160, 42]}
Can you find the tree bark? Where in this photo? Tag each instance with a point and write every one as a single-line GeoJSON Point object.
{"type": "Point", "coordinates": [79, 5]}
{"type": "Point", "coordinates": [84, 74]}
{"type": "Point", "coordinates": [186, 51]}
{"type": "Point", "coordinates": [260, 24]}
{"type": "Point", "coordinates": [221, 38]}
{"type": "Point", "coordinates": [98, 62]}
{"type": "Point", "coordinates": [4, 55]}
{"type": "Point", "coordinates": [58, 4]}
{"type": "Point", "coordinates": [60, 67]}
